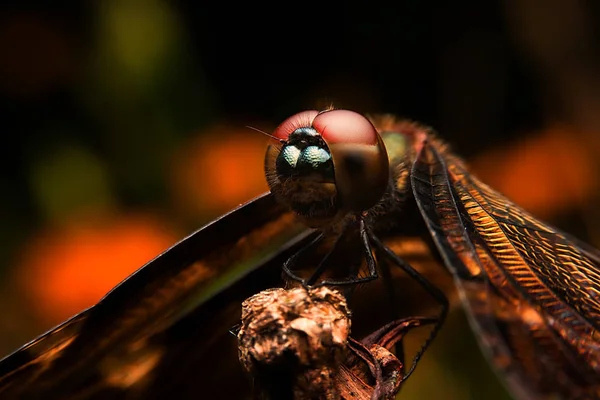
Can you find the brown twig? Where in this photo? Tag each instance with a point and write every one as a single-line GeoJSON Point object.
{"type": "Point", "coordinates": [295, 344]}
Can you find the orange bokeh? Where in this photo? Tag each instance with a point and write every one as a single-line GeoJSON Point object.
{"type": "Point", "coordinates": [220, 169]}
{"type": "Point", "coordinates": [67, 269]}
{"type": "Point", "coordinates": [544, 173]}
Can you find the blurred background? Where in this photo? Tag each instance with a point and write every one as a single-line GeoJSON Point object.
{"type": "Point", "coordinates": [124, 128]}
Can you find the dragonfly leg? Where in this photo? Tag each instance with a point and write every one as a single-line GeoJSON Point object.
{"type": "Point", "coordinates": [433, 290]}
{"type": "Point", "coordinates": [323, 264]}
{"type": "Point", "coordinates": [289, 263]}
{"type": "Point", "coordinates": [384, 267]}
{"type": "Point", "coordinates": [371, 264]}
{"type": "Point", "coordinates": [234, 330]}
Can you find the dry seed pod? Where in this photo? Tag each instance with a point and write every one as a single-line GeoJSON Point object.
{"type": "Point", "coordinates": [292, 342]}
{"type": "Point", "coordinates": [295, 344]}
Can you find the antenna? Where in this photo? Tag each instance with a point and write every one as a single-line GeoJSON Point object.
{"type": "Point", "coordinates": [264, 133]}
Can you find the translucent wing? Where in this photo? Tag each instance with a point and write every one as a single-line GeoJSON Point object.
{"type": "Point", "coordinates": [164, 331]}
{"type": "Point", "coordinates": [532, 292]}
{"type": "Point", "coordinates": [159, 332]}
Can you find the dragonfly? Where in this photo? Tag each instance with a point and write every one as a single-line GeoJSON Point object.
{"type": "Point", "coordinates": [344, 188]}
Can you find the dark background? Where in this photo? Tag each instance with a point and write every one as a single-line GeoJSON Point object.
{"type": "Point", "coordinates": [121, 118]}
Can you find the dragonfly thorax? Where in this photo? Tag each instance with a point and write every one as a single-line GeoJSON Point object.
{"type": "Point", "coordinates": [327, 165]}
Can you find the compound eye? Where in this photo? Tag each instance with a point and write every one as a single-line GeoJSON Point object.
{"type": "Point", "coordinates": [303, 119]}
{"type": "Point", "coordinates": [345, 127]}
{"type": "Point", "coordinates": [360, 160]}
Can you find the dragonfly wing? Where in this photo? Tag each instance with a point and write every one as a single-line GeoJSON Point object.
{"type": "Point", "coordinates": [168, 322]}
{"type": "Point", "coordinates": [533, 294]}
{"type": "Point", "coordinates": [38, 354]}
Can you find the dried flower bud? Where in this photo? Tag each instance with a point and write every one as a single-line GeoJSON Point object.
{"type": "Point", "coordinates": [293, 341]}
{"type": "Point", "coordinates": [295, 344]}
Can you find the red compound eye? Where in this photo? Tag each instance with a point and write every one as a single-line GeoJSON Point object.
{"type": "Point", "coordinates": [345, 127]}
{"type": "Point", "coordinates": [335, 163]}
{"type": "Point", "coordinates": [303, 119]}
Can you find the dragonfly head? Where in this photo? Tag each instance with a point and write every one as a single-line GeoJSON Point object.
{"type": "Point", "coordinates": [326, 165]}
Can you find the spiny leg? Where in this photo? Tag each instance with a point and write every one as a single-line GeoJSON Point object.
{"type": "Point", "coordinates": [287, 265]}
{"type": "Point", "coordinates": [312, 279]}
{"type": "Point", "coordinates": [391, 295]}
{"type": "Point", "coordinates": [371, 264]}
{"type": "Point", "coordinates": [433, 290]}
{"type": "Point", "coordinates": [364, 235]}
{"type": "Point", "coordinates": [353, 273]}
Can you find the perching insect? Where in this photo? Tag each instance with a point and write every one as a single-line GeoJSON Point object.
{"type": "Point", "coordinates": [532, 292]}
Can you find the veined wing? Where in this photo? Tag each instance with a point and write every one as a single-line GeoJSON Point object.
{"type": "Point", "coordinates": [148, 335]}
{"type": "Point", "coordinates": [532, 292]}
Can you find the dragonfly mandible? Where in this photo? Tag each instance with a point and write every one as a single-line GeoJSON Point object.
{"type": "Point", "coordinates": [532, 292]}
